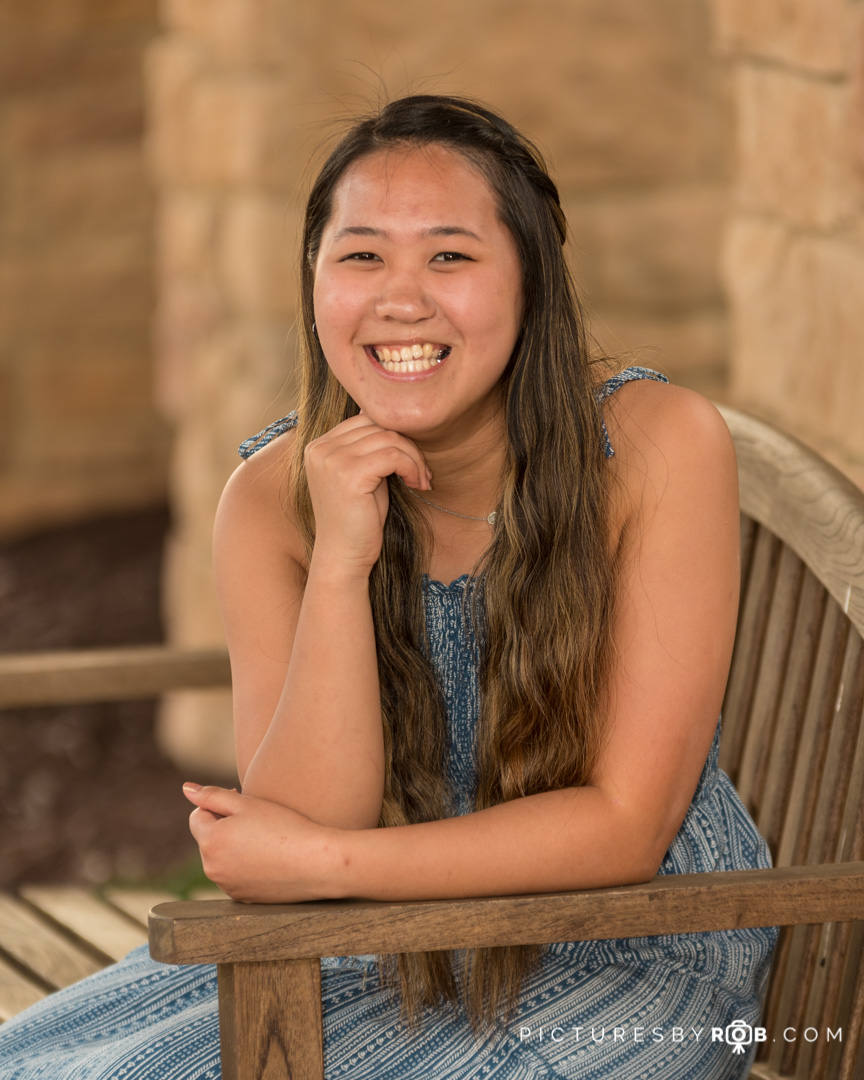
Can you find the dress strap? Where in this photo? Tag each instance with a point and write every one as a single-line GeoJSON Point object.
{"type": "Point", "coordinates": [608, 388]}
{"type": "Point", "coordinates": [252, 445]}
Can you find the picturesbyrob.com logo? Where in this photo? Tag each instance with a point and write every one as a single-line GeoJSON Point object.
{"type": "Point", "coordinates": [739, 1035]}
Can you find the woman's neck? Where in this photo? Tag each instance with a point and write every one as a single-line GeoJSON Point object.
{"type": "Point", "coordinates": [466, 476]}
{"type": "Point", "coordinates": [466, 489]}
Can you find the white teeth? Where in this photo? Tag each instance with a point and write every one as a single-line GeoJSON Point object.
{"type": "Point", "coordinates": [411, 365]}
{"type": "Point", "coordinates": [410, 358]}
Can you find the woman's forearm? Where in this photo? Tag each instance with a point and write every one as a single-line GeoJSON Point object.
{"type": "Point", "coordinates": [555, 841]}
{"type": "Point", "coordinates": [323, 752]}
{"type": "Point", "coordinates": [260, 852]}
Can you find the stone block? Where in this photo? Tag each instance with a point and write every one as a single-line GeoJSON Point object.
{"type": "Point", "coordinates": [236, 32]}
{"type": "Point", "coordinates": [87, 407]}
{"type": "Point", "coordinates": [10, 414]}
{"type": "Point", "coordinates": [187, 316]}
{"type": "Point", "coordinates": [258, 256]}
{"type": "Point", "coordinates": [803, 33]}
{"type": "Point", "coordinates": [87, 382]}
{"type": "Point", "coordinates": [250, 352]}
{"type": "Point", "coordinates": [796, 303]}
{"type": "Point", "coordinates": [657, 249]}
{"type": "Point", "coordinates": [691, 349]}
{"type": "Point", "coordinates": [62, 16]}
{"type": "Point", "coordinates": [172, 67]}
{"type": "Point", "coordinates": [186, 235]}
{"type": "Point", "coordinates": [34, 63]}
{"type": "Point", "coordinates": [624, 93]}
{"type": "Point", "coordinates": [793, 147]}
{"type": "Point", "coordinates": [40, 125]}
{"type": "Point", "coordinates": [857, 110]}
{"type": "Point", "coordinates": [242, 130]}
{"type": "Point", "coordinates": [99, 191]}
{"type": "Point", "coordinates": [104, 280]}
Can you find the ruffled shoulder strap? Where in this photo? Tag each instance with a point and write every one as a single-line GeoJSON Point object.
{"type": "Point", "coordinates": [251, 446]}
{"type": "Point", "coordinates": [608, 388]}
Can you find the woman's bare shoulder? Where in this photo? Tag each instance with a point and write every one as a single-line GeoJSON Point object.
{"type": "Point", "coordinates": [672, 450]}
{"type": "Point", "coordinates": [653, 421]}
{"type": "Point", "coordinates": [254, 511]}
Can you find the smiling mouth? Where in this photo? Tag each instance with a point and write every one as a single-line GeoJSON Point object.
{"type": "Point", "coordinates": [409, 358]}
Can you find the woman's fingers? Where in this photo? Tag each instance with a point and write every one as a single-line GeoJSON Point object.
{"type": "Point", "coordinates": [347, 470]}
{"type": "Point", "coordinates": [354, 447]}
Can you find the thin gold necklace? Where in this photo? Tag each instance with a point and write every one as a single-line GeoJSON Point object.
{"type": "Point", "coordinates": [490, 518]}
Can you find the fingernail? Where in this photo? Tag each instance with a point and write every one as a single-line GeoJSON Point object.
{"type": "Point", "coordinates": [188, 786]}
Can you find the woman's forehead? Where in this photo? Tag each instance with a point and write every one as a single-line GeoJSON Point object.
{"type": "Point", "coordinates": [412, 183]}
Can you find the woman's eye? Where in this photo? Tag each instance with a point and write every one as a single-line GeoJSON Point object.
{"type": "Point", "coordinates": [450, 256]}
{"type": "Point", "coordinates": [360, 256]}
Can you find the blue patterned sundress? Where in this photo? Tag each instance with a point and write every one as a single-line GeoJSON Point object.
{"type": "Point", "coordinates": [625, 1009]}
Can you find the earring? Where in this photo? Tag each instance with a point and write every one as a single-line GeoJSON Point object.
{"type": "Point", "coordinates": [314, 329]}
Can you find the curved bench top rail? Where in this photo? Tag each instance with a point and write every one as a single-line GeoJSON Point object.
{"type": "Point", "coordinates": [807, 503]}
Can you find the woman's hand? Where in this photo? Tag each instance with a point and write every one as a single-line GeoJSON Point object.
{"type": "Point", "coordinates": [347, 470]}
{"type": "Point", "coordinates": [258, 851]}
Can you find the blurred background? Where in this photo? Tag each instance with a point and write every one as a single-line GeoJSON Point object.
{"type": "Point", "coordinates": [153, 163]}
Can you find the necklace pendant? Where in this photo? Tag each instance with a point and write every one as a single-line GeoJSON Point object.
{"type": "Point", "coordinates": [491, 518]}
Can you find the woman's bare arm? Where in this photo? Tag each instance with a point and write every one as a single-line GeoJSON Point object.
{"type": "Point", "coordinates": [307, 707]}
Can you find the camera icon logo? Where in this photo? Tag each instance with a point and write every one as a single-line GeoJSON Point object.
{"type": "Point", "coordinates": [739, 1034]}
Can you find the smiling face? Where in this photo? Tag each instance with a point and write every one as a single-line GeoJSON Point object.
{"type": "Point", "coordinates": [417, 295]}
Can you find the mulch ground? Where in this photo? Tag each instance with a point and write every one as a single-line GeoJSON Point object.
{"type": "Point", "coordinates": [85, 794]}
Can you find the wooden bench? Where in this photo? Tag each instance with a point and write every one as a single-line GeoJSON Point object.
{"type": "Point", "coordinates": [52, 936]}
{"type": "Point", "coordinates": [793, 742]}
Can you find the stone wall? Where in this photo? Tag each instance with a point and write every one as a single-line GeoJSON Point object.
{"type": "Point", "coordinates": [79, 434]}
{"type": "Point", "coordinates": [794, 251]}
{"type": "Point", "coordinates": [625, 98]}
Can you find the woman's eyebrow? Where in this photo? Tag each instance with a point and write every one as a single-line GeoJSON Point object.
{"type": "Point", "coordinates": [436, 230]}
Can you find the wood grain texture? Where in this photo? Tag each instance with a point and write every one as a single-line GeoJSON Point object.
{"type": "Point", "coordinates": [17, 991]}
{"type": "Point", "coordinates": [768, 686]}
{"type": "Point", "coordinates": [128, 674]}
{"type": "Point", "coordinates": [781, 751]}
{"type": "Point", "coordinates": [270, 1021]}
{"type": "Point", "coordinates": [757, 591]}
{"type": "Point", "coordinates": [809, 760]}
{"type": "Point", "coordinates": [40, 949]}
{"type": "Point", "coordinates": [807, 503]}
{"type": "Point", "coordinates": [191, 933]}
{"type": "Point", "coordinates": [136, 903]}
{"type": "Point", "coordinates": [82, 914]}
{"type": "Point", "coordinates": [833, 785]}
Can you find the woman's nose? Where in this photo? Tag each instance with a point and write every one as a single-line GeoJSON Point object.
{"type": "Point", "coordinates": [404, 299]}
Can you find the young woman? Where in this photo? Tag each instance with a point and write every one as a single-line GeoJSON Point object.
{"type": "Point", "coordinates": [480, 604]}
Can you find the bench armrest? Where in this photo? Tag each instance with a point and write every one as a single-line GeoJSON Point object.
{"type": "Point", "coordinates": [221, 931]}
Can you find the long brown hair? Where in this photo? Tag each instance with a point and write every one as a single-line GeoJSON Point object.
{"type": "Point", "coordinates": [544, 587]}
